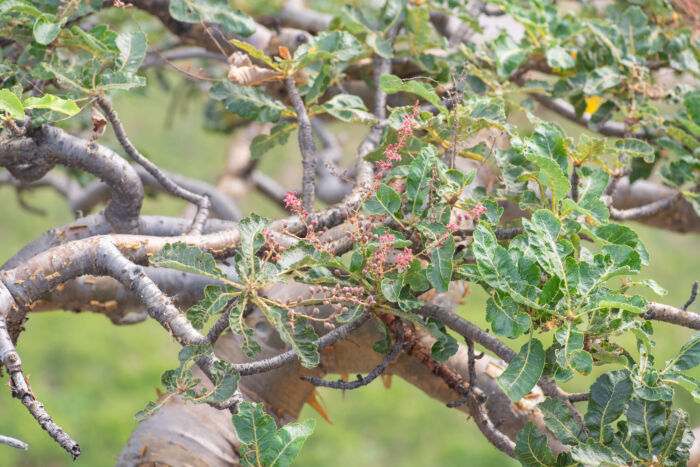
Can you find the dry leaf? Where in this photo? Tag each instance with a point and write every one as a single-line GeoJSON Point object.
{"type": "Point", "coordinates": [99, 123]}
{"type": "Point", "coordinates": [242, 71]}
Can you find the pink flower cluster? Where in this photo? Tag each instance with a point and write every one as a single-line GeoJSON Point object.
{"type": "Point", "coordinates": [392, 151]}
{"type": "Point", "coordinates": [478, 210]}
{"type": "Point", "coordinates": [403, 260]}
{"type": "Point", "coordinates": [387, 240]}
{"type": "Point", "coordinates": [294, 204]}
{"type": "Point", "coordinates": [272, 245]}
{"type": "Point", "coordinates": [375, 263]}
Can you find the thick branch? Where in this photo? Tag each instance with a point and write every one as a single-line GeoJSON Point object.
{"type": "Point", "coordinates": [29, 158]}
{"type": "Point", "coordinates": [673, 315]}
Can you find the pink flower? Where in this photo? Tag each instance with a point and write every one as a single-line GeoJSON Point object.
{"type": "Point", "coordinates": [403, 260]}
{"type": "Point", "coordinates": [392, 151]}
{"type": "Point", "coordinates": [452, 227]}
{"type": "Point", "coordinates": [387, 240]}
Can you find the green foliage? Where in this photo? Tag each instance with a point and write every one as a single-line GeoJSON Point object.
{"type": "Point", "coordinates": [523, 371]}
{"type": "Point", "coordinates": [547, 278]}
{"type": "Point", "coordinates": [263, 443]}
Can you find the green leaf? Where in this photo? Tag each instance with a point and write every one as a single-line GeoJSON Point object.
{"type": "Point", "coordinates": [329, 45]}
{"type": "Point", "coordinates": [225, 384]}
{"type": "Point", "coordinates": [418, 28]}
{"type": "Point", "coordinates": [19, 6]}
{"type": "Point", "coordinates": [51, 102]}
{"type": "Point", "coordinates": [646, 422]}
{"type": "Point", "coordinates": [212, 11]}
{"type": "Point", "coordinates": [593, 453]}
{"type": "Point", "coordinates": [348, 108]}
{"type": "Point", "coordinates": [635, 148]}
{"type": "Point", "coordinates": [186, 258]}
{"type": "Point", "coordinates": [297, 332]}
{"type": "Point", "coordinates": [279, 134]}
{"type": "Point", "coordinates": [560, 422]}
{"type": "Point", "coordinates": [653, 285]}
{"type": "Point", "coordinates": [45, 30]}
{"type": "Point", "coordinates": [559, 59]}
{"type": "Point", "coordinates": [251, 229]}
{"type": "Point", "coordinates": [237, 325]}
{"type": "Point", "coordinates": [624, 304]}
{"type": "Point", "coordinates": [601, 79]}
{"type": "Point", "coordinates": [11, 104]}
{"type": "Point", "coordinates": [531, 448]}
{"type": "Point", "coordinates": [509, 55]}
{"type": "Point", "coordinates": [571, 355]}
{"type": "Point", "coordinates": [392, 84]}
{"type": "Point", "coordinates": [214, 302]}
{"type": "Point", "coordinates": [609, 396]}
{"type": "Point", "coordinates": [249, 102]}
{"type": "Point", "coordinates": [678, 438]}
{"type": "Point", "coordinates": [132, 50]}
{"type": "Point", "coordinates": [419, 178]}
{"type": "Point", "coordinates": [445, 345]}
{"type": "Point", "coordinates": [497, 269]}
{"type": "Point", "coordinates": [440, 268]}
{"type": "Point", "coordinates": [112, 80]}
{"type": "Point", "coordinates": [688, 357]}
{"type": "Point", "coordinates": [319, 85]}
{"type": "Point", "coordinates": [524, 371]}
{"type": "Point", "coordinates": [263, 444]}
{"type": "Point", "coordinates": [543, 232]}
{"type": "Point", "coordinates": [505, 318]}
{"type": "Point", "coordinates": [254, 52]}
{"type": "Point", "coordinates": [385, 201]}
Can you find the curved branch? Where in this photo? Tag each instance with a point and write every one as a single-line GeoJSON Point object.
{"type": "Point", "coordinates": [29, 158]}
{"type": "Point", "coordinates": [202, 201]}
{"type": "Point", "coordinates": [374, 374]}
{"type": "Point", "coordinates": [222, 206]}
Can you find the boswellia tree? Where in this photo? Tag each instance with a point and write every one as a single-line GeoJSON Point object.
{"type": "Point", "coordinates": [459, 180]}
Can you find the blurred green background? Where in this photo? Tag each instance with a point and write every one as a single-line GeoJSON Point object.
{"type": "Point", "coordinates": [93, 376]}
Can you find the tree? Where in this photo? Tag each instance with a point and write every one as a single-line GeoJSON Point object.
{"type": "Point", "coordinates": [457, 181]}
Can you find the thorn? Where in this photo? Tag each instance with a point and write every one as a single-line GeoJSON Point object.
{"type": "Point", "coordinates": [386, 380]}
{"type": "Point", "coordinates": [319, 406]}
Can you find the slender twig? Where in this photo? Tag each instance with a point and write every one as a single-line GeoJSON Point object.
{"type": "Point", "coordinates": [579, 396]}
{"type": "Point", "coordinates": [471, 366]}
{"type": "Point", "coordinates": [261, 366]}
{"type": "Point", "coordinates": [306, 145]}
{"type": "Point", "coordinates": [201, 201]}
{"type": "Point", "coordinates": [371, 376]}
{"type": "Point", "coordinates": [693, 296]}
{"type": "Point", "coordinates": [12, 442]}
{"type": "Point", "coordinates": [20, 387]}
{"type": "Point", "coordinates": [467, 330]}
{"type": "Point", "coordinates": [220, 325]}
{"type": "Point", "coordinates": [642, 211]}
{"type": "Point", "coordinates": [574, 183]}
{"type": "Point", "coordinates": [488, 429]}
